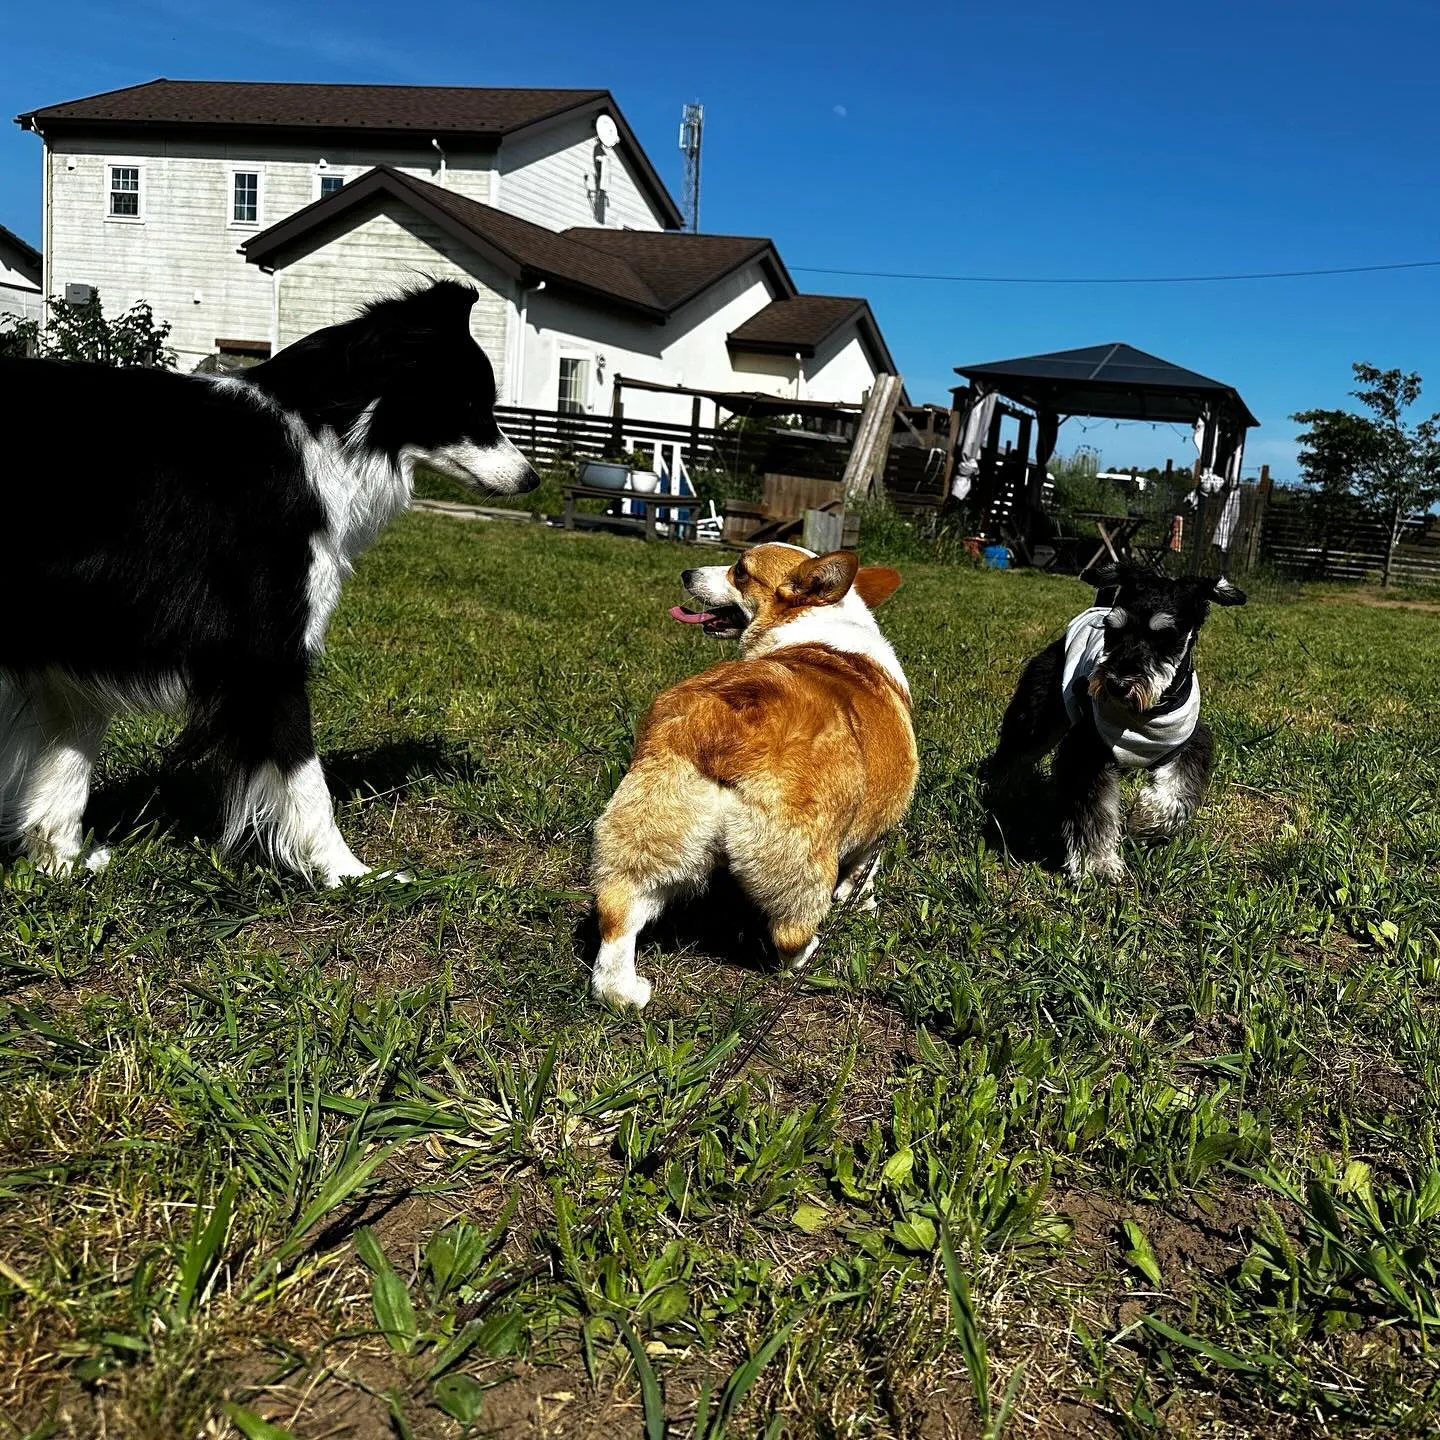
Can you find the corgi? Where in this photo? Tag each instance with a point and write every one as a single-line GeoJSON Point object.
{"type": "Point", "coordinates": [789, 765]}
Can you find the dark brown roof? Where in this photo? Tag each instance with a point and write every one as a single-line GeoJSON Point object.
{"type": "Point", "coordinates": [652, 272]}
{"type": "Point", "coordinates": [26, 249]}
{"type": "Point", "coordinates": [678, 267]}
{"type": "Point", "coordinates": [799, 323]}
{"type": "Point", "coordinates": [802, 323]}
{"type": "Point", "coordinates": [431, 108]}
{"type": "Point", "coordinates": [462, 114]}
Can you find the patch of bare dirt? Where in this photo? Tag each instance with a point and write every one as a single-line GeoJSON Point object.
{"type": "Point", "coordinates": [1379, 600]}
{"type": "Point", "coordinates": [1190, 1243]}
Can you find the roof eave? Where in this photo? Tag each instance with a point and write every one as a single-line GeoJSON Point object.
{"type": "Point", "coordinates": [600, 297]}
{"type": "Point", "coordinates": [773, 347]}
{"type": "Point", "coordinates": [26, 249]}
{"type": "Point", "coordinates": [459, 141]}
{"type": "Point", "coordinates": [867, 321]}
{"type": "Point", "coordinates": [764, 253]}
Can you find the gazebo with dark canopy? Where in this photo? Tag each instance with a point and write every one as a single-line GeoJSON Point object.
{"type": "Point", "coordinates": [1108, 382]}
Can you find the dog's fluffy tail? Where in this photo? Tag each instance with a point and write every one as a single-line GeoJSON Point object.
{"type": "Point", "coordinates": [662, 833]}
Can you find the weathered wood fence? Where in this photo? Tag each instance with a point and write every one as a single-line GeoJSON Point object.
{"type": "Point", "coordinates": [552, 439]}
{"type": "Point", "coordinates": [1320, 537]}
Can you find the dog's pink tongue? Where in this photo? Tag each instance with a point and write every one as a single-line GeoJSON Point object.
{"type": "Point", "coordinates": [691, 617]}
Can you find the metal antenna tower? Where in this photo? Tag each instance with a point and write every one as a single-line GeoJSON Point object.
{"type": "Point", "coordinates": [692, 127]}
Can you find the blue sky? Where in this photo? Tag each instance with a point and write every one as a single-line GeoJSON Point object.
{"type": "Point", "coordinates": [1050, 139]}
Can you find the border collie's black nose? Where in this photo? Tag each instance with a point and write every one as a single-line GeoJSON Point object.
{"type": "Point", "coordinates": [686, 577]}
{"type": "Point", "coordinates": [531, 480]}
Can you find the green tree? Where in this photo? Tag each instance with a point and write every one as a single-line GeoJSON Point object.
{"type": "Point", "coordinates": [1389, 462]}
{"type": "Point", "coordinates": [82, 332]}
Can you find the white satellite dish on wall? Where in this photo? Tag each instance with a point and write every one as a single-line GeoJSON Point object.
{"type": "Point", "coordinates": [606, 132]}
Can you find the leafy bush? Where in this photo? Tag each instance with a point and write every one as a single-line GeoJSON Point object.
{"type": "Point", "coordinates": [82, 332]}
{"type": "Point", "coordinates": [1078, 487]}
{"type": "Point", "coordinates": [887, 536]}
{"type": "Point", "coordinates": [718, 484]}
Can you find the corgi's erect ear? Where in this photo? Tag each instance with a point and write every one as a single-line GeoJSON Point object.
{"type": "Point", "coordinates": [824, 580]}
{"type": "Point", "coordinates": [875, 584]}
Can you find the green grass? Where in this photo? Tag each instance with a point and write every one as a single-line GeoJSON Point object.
{"type": "Point", "coordinates": [1018, 1160]}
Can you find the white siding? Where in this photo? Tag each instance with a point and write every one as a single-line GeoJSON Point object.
{"type": "Point", "coordinates": [19, 291]}
{"type": "Point", "coordinates": [378, 255]}
{"type": "Point", "coordinates": [770, 374]}
{"type": "Point", "coordinates": [688, 350]}
{"type": "Point", "coordinates": [547, 176]}
{"type": "Point", "coordinates": [185, 246]}
{"type": "Point", "coordinates": [839, 370]}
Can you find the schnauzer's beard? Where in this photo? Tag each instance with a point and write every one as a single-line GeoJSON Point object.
{"type": "Point", "coordinates": [1139, 695]}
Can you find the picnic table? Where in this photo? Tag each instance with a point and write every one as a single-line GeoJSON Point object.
{"type": "Point", "coordinates": [652, 502]}
{"type": "Point", "coordinates": [1116, 533]}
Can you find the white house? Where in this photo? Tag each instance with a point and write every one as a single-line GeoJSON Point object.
{"type": "Point", "coordinates": [248, 215]}
{"type": "Point", "coordinates": [20, 274]}
{"type": "Point", "coordinates": [561, 314]}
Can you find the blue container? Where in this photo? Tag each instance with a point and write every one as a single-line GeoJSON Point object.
{"type": "Point", "coordinates": [997, 557]}
{"type": "Point", "coordinates": [603, 474]}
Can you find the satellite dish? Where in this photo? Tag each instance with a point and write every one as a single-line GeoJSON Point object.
{"type": "Point", "coordinates": [606, 132]}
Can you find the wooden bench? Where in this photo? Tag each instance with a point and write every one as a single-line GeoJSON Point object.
{"type": "Point", "coordinates": [651, 501]}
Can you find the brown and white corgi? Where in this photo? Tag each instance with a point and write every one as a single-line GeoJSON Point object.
{"type": "Point", "coordinates": [789, 765]}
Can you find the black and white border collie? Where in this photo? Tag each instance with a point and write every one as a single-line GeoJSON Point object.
{"type": "Point", "coordinates": [1117, 692]}
{"type": "Point", "coordinates": [178, 543]}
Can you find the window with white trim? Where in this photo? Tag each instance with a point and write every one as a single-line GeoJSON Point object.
{"type": "Point", "coordinates": [330, 183]}
{"type": "Point", "coordinates": [244, 197]}
{"type": "Point", "coordinates": [574, 385]}
{"type": "Point", "coordinates": [124, 201]}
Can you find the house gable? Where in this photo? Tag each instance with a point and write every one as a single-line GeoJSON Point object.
{"type": "Point", "coordinates": [688, 349]}
{"type": "Point", "coordinates": [376, 249]}
{"type": "Point", "coordinates": [548, 175]}
{"type": "Point", "coordinates": [811, 325]}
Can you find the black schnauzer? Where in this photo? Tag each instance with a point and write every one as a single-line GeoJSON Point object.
{"type": "Point", "coordinates": [1117, 692]}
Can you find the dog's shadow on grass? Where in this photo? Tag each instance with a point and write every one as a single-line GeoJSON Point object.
{"type": "Point", "coordinates": [396, 766]}
{"type": "Point", "coordinates": [1020, 819]}
{"type": "Point", "coordinates": [180, 797]}
{"type": "Point", "coordinates": [722, 923]}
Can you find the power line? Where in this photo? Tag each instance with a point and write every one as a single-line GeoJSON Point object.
{"type": "Point", "coordinates": [1119, 279]}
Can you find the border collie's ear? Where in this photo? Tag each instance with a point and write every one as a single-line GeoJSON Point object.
{"type": "Point", "coordinates": [825, 580]}
{"type": "Point", "coordinates": [1222, 592]}
{"type": "Point", "coordinates": [451, 299]}
{"type": "Point", "coordinates": [875, 584]}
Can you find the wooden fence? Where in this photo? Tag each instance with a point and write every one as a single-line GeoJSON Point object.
{"type": "Point", "coordinates": [1319, 537]}
{"type": "Point", "coordinates": [552, 439]}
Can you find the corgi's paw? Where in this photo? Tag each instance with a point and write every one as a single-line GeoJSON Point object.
{"type": "Point", "coordinates": [621, 992]}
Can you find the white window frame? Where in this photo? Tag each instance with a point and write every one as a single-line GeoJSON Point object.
{"type": "Point", "coordinates": [588, 361]}
{"type": "Point", "coordinates": [342, 172]}
{"type": "Point", "coordinates": [256, 169]}
{"type": "Point", "coordinates": [113, 163]}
